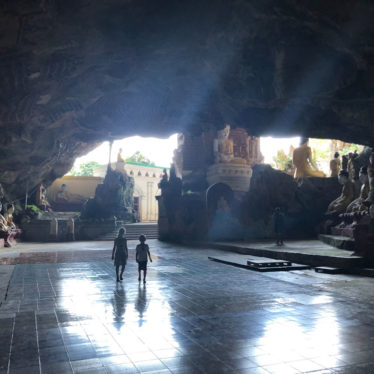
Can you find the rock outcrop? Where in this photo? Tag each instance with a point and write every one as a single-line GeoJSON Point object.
{"type": "Point", "coordinates": [304, 203]}
{"type": "Point", "coordinates": [74, 73]}
{"type": "Point", "coordinates": [113, 199]}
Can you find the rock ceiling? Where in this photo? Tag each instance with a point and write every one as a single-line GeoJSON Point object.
{"type": "Point", "coordinates": [76, 72]}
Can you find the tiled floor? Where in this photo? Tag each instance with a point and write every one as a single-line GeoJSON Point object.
{"type": "Point", "coordinates": [193, 316]}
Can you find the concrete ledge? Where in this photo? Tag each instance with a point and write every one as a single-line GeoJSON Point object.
{"type": "Point", "coordinates": [342, 261]}
{"type": "Point", "coordinates": [341, 242]}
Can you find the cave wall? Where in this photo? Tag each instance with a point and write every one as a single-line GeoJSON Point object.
{"type": "Point", "coordinates": [74, 73]}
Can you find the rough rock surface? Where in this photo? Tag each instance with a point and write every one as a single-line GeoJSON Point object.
{"type": "Point", "coordinates": [304, 203]}
{"type": "Point", "coordinates": [113, 198]}
{"type": "Point", "coordinates": [76, 72]}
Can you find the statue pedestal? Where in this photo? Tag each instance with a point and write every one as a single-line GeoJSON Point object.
{"type": "Point", "coordinates": [237, 176]}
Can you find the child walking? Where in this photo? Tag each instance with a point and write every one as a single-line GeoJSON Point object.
{"type": "Point", "coordinates": [120, 253]}
{"type": "Point", "coordinates": [142, 254]}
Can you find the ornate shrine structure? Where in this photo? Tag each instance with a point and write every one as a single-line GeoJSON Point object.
{"type": "Point", "coordinates": [214, 170]}
{"type": "Point", "coordinates": [226, 156]}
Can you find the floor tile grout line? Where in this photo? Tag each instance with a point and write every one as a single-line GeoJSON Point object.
{"type": "Point", "coordinates": [63, 340]}
{"type": "Point", "coordinates": [11, 343]}
{"type": "Point", "coordinates": [37, 342]}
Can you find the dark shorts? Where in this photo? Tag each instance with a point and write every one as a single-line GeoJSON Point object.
{"type": "Point", "coordinates": [142, 265]}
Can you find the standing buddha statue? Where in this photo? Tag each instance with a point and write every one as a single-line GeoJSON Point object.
{"type": "Point", "coordinates": [120, 164]}
{"type": "Point", "coordinates": [335, 165]}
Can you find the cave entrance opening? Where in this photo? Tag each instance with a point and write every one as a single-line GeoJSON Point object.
{"type": "Point", "coordinates": [278, 152]}
{"type": "Point", "coordinates": [140, 159]}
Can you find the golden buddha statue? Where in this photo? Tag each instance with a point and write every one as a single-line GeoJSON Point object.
{"type": "Point", "coordinates": [340, 204]}
{"type": "Point", "coordinates": [120, 164]}
{"type": "Point", "coordinates": [303, 161]}
{"type": "Point", "coordinates": [358, 204]}
{"type": "Point", "coordinates": [335, 165]}
{"type": "Point", "coordinates": [119, 156]}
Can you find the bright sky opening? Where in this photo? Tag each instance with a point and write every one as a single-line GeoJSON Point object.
{"type": "Point", "coordinates": [160, 151]}
{"type": "Point", "coordinates": [270, 146]}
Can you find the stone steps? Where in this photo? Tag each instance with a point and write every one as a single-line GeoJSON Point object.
{"type": "Point", "coordinates": [133, 231]}
{"type": "Point", "coordinates": [338, 241]}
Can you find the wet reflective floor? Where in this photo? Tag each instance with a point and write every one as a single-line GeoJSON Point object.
{"type": "Point", "coordinates": [192, 316]}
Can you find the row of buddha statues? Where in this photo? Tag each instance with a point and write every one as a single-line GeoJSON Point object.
{"type": "Point", "coordinates": [353, 216]}
{"type": "Point", "coordinates": [347, 163]}
{"type": "Point", "coordinates": [347, 202]}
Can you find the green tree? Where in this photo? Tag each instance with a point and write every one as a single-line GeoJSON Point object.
{"type": "Point", "coordinates": [351, 148]}
{"type": "Point", "coordinates": [282, 160]}
{"type": "Point", "coordinates": [138, 158]}
{"type": "Point", "coordinates": [85, 170]}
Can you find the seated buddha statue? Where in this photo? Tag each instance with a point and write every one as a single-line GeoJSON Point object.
{"type": "Point", "coordinates": [303, 161]}
{"type": "Point", "coordinates": [224, 148]}
{"type": "Point", "coordinates": [358, 204]}
{"type": "Point", "coordinates": [8, 215]}
{"type": "Point", "coordinates": [63, 196]}
{"type": "Point", "coordinates": [340, 204]}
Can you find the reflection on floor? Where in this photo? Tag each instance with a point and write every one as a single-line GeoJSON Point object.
{"type": "Point", "coordinates": [193, 316]}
